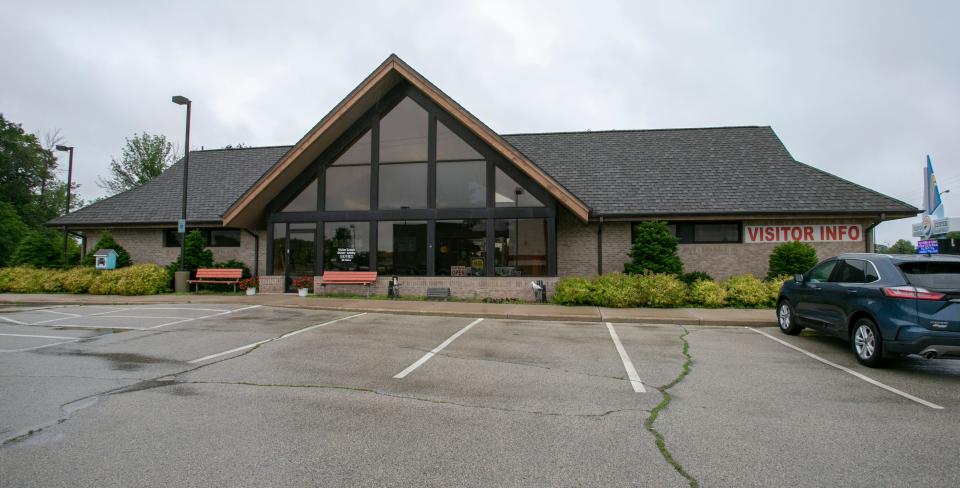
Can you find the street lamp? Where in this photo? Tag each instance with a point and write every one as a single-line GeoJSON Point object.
{"type": "Point", "coordinates": [181, 276]}
{"type": "Point", "coordinates": [69, 184]}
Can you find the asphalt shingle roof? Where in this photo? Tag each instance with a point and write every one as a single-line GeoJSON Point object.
{"type": "Point", "coordinates": [724, 170]}
{"type": "Point", "coordinates": [217, 179]}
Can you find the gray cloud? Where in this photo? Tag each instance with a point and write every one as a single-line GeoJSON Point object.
{"type": "Point", "coordinates": [863, 90]}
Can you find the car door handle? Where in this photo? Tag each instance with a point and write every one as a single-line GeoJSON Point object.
{"type": "Point", "coordinates": [852, 292]}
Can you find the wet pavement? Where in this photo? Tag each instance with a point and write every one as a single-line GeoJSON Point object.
{"type": "Point", "coordinates": [233, 394]}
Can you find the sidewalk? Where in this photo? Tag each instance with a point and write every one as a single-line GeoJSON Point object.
{"type": "Point", "coordinates": [682, 316]}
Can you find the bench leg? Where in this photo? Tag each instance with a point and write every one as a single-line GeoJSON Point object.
{"type": "Point", "coordinates": [368, 290]}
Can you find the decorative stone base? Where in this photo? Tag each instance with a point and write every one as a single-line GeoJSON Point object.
{"type": "Point", "coordinates": [460, 287]}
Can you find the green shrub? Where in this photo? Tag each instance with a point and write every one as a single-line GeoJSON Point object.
{"type": "Point", "coordinates": [707, 293]}
{"type": "Point", "coordinates": [573, 291]}
{"type": "Point", "coordinates": [21, 279]}
{"type": "Point", "coordinates": [615, 290]}
{"type": "Point", "coordinates": [654, 250]}
{"type": "Point", "coordinates": [773, 287]}
{"type": "Point", "coordinates": [36, 249]}
{"type": "Point", "coordinates": [52, 280]}
{"type": "Point", "coordinates": [195, 255]}
{"type": "Point", "coordinates": [661, 290]}
{"type": "Point", "coordinates": [106, 241]}
{"type": "Point", "coordinates": [78, 280]}
{"type": "Point", "coordinates": [791, 258]}
{"type": "Point", "coordinates": [141, 279]}
{"type": "Point", "coordinates": [748, 291]}
{"type": "Point", "coordinates": [695, 276]}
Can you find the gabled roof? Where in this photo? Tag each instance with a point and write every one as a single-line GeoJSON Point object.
{"type": "Point", "coordinates": [249, 207]}
{"type": "Point", "coordinates": [675, 172]}
{"type": "Point", "coordinates": [217, 178]}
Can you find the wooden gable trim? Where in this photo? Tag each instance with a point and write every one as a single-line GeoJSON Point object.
{"type": "Point", "coordinates": [372, 87]}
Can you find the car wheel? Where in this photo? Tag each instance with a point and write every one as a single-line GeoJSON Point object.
{"type": "Point", "coordinates": [787, 320]}
{"type": "Point", "coordinates": [866, 343]}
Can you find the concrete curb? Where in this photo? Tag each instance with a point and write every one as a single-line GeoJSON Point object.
{"type": "Point", "coordinates": [680, 316]}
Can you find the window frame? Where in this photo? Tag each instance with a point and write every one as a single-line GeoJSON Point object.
{"type": "Point", "coordinates": [686, 230]}
{"type": "Point", "coordinates": [431, 214]}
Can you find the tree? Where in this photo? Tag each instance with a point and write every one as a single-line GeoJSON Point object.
{"type": "Point", "coordinates": [902, 246]}
{"type": "Point", "coordinates": [881, 249]}
{"type": "Point", "coordinates": [25, 170]}
{"type": "Point", "coordinates": [106, 241]}
{"type": "Point", "coordinates": [12, 230]}
{"type": "Point", "coordinates": [37, 250]}
{"type": "Point", "coordinates": [791, 258]}
{"type": "Point", "coordinates": [195, 255]}
{"type": "Point", "coordinates": [143, 158]}
{"type": "Point", "coordinates": [953, 235]}
{"type": "Point", "coordinates": [654, 249]}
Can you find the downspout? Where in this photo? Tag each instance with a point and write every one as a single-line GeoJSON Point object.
{"type": "Point", "coordinates": [600, 247]}
{"type": "Point", "coordinates": [256, 252]}
{"type": "Point", "coordinates": [871, 244]}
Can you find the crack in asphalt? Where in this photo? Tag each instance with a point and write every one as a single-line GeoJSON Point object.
{"type": "Point", "coordinates": [407, 397]}
{"type": "Point", "coordinates": [663, 389]}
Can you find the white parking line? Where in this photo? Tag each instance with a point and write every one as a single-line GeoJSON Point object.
{"type": "Point", "coordinates": [187, 308]}
{"type": "Point", "coordinates": [39, 336]}
{"type": "Point", "coordinates": [59, 313]}
{"type": "Point", "coordinates": [38, 347]}
{"type": "Point", "coordinates": [284, 336]}
{"type": "Point", "coordinates": [75, 326]}
{"type": "Point", "coordinates": [13, 321]}
{"type": "Point", "coordinates": [78, 316]}
{"type": "Point", "coordinates": [852, 372]}
{"type": "Point", "coordinates": [225, 312]}
{"type": "Point", "coordinates": [426, 357]}
{"type": "Point", "coordinates": [627, 364]}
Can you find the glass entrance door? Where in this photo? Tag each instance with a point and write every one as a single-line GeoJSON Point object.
{"type": "Point", "coordinates": [301, 253]}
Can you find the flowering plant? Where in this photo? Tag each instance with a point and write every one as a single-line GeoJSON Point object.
{"type": "Point", "coordinates": [248, 283]}
{"type": "Point", "coordinates": [303, 282]}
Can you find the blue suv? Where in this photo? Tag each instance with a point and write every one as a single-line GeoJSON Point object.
{"type": "Point", "coordinates": [885, 305]}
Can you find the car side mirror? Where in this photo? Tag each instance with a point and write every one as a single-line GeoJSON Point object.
{"type": "Point", "coordinates": [798, 278]}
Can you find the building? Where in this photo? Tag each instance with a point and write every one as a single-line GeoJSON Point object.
{"type": "Point", "coordinates": [401, 179]}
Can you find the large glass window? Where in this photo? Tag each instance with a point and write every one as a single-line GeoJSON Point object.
{"type": "Point", "coordinates": [403, 133]}
{"type": "Point", "coordinates": [462, 184]}
{"type": "Point", "coordinates": [306, 201]}
{"type": "Point", "coordinates": [461, 247]}
{"type": "Point", "coordinates": [521, 247]}
{"type": "Point", "coordinates": [509, 193]}
{"type": "Point", "coordinates": [215, 237]}
{"type": "Point", "coordinates": [403, 185]}
{"type": "Point", "coordinates": [358, 153]}
{"type": "Point", "coordinates": [346, 246]}
{"type": "Point", "coordinates": [279, 248]}
{"type": "Point", "coordinates": [402, 248]}
{"type": "Point", "coordinates": [702, 232]}
{"type": "Point", "coordinates": [451, 147]}
{"type": "Point", "coordinates": [348, 188]}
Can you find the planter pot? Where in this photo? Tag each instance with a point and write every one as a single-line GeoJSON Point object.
{"type": "Point", "coordinates": [303, 291]}
{"type": "Point", "coordinates": [251, 291]}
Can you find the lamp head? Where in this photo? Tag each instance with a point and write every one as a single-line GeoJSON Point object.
{"type": "Point", "coordinates": [61, 147]}
{"type": "Point", "coordinates": [180, 100]}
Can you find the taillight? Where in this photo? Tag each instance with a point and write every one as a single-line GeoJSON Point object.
{"type": "Point", "coordinates": [912, 292]}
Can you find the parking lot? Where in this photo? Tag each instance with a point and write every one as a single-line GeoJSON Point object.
{"type": "Point", "coordinates": [260, 396]}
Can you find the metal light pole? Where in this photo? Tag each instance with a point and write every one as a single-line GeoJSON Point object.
{"type": "Point", "coordinates": [69, 184]}
{"type": "Point", "coordinates": [182, 276]}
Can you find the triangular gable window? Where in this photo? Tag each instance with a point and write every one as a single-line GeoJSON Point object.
{"type": "Point", "coordinates": [359, 152]}
{"type": "Point", "coordinates": [403, 133]}
{"type": "Point", "coordinates": [451, 147]}
{"type": "Point", "coordinates": [511, 194]}
{"type": "Point", "coordinates": [306, 201]}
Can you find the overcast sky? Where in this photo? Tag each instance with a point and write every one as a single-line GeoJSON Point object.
{"type": "Point", "coordinates": [864, 90]}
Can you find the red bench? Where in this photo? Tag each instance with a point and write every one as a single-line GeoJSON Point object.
{"type": "Point", "coordinates": [220, 276]}
{"type": "Point", "coordinates": [366, 278]}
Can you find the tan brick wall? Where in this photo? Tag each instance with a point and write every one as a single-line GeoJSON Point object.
{"type": "Point", "coordinates": [577, 249]}
{"type": "Point", "coordinates": [462, 287]}
{"type": "Point", "coordinates": [146, 246]}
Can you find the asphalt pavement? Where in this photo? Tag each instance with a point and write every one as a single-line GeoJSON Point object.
{"type": "Point", "coordinates": [244, 395]}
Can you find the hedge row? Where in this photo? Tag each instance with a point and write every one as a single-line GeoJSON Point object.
{"type": "Point", "coordinates": [665, 291]}
{"type": "Point", "coordinates": [141, 279]}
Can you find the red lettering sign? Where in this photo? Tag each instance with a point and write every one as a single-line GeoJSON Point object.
{"type": "Point", "coordinates": [803, 233]}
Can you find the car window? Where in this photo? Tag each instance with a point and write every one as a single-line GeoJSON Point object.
{"type": "Point", "coordinates": [850, 271]}
{"type": "Point", "coordinates": [936, 276]}
{"type": "Point", "coordinates": [871, 272]}
{"type": "Point", "coordinates": [821, 272]}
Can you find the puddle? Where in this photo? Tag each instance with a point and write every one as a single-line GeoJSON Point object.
{"type": "Point", "coordinates": [122, 361]}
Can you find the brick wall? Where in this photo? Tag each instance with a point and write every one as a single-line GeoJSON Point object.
{"type": "Point", "coordinates": [577, 249]}
{"type": "Point", "coordinates": [462, 287]}
{"type": "Point", "coordinates": [146, 246]}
